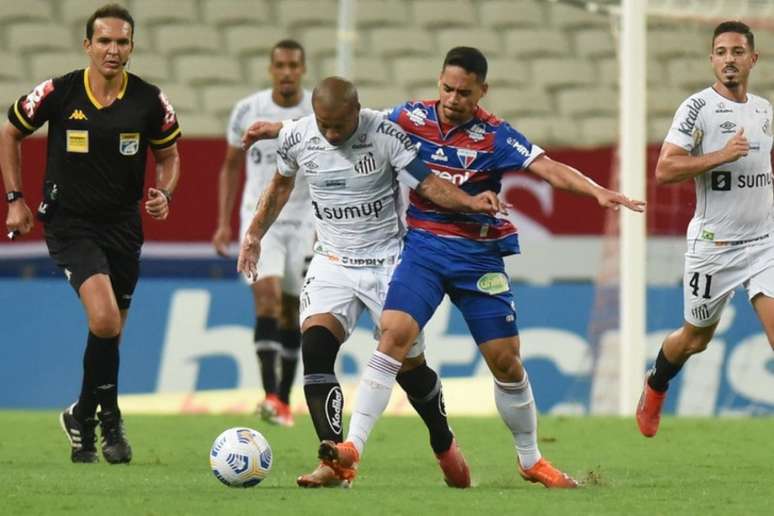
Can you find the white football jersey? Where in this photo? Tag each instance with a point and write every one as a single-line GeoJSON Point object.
{"type": "Point", "coordinates": [261, 158]}
{"type": "Point", "coordinates": [356, 201]}
{"type": "Point", "coordinates": [734, 200]}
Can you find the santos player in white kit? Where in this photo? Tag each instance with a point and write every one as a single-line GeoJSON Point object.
{"type": "Point", "coordinates": [290, 241]}
{"type": "Point", "coordinates": [352, 160]}
{"type": "Point", "coordinates": [721, 138]}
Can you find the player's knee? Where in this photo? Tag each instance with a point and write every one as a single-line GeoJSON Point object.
{"type": "Point", "coordinates": [695, 340]}
{"type": "Point", "coordinates": [105, 323]}
{"type": "Point", "coordinates": [319, 348]}
{"type": "Point", "coordinates": [398, 331]}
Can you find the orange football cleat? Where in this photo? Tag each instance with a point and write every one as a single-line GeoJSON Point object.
{"type": "Point", "coordinates": [322, 476]}
{"type": "Point", "coordinates": [545, 473]}
{"type": "Point", "coordinates": [342, 458]}
{"type": "Point", "coordinates": [455, 469]}
{"type": "Point", "coordinates": [273, 410]}
{"type": "Point", "coordinates": [649, 410]}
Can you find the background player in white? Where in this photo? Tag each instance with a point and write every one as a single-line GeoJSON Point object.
{"type": "Point", "coordinates": [352, 160]}
{"type": "Point", "coordinates": [288, 244]}
{"type": "Point", "coordinates": [721, 138]}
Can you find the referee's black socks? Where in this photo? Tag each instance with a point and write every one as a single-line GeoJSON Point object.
{"type": "Point", "coordinates": [423, 388]}
{"type": "Point", "coordinates": [101, 365]}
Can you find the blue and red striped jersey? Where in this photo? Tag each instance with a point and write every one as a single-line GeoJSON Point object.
{"type": "Point", "coordinates": [474, 156]}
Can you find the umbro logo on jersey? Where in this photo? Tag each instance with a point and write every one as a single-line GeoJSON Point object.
{"type": "Point", "coordinates": [439, 155]}
{"type": "Point", "coordinates": [77, 114]}
{"type": "Point", "coordinates": [728, 126]}
{"type": "Point", "coordinates": [311, 165]}
{"type": "Point", "coordinates": [366, 165]}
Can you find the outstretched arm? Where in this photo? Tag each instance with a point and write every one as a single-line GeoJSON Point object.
{"type": "Point", "coordinates": [446, 195]}
{"type": "Point", "coordinates": [272, 201]}
{"type": "Point", "coordinates": [567, 178]}
{"type": "Point", "coordinates": [676, 165]}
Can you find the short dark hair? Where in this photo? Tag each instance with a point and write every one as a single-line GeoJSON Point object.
{"type": "Point", "coordinates": [469, 59]}
{"type": "Point", "coordinates": [288, 44]}
{"type": "Point", "coordinates": [109, 11]}
{"type": "Point", "coordinates": [734, 26]}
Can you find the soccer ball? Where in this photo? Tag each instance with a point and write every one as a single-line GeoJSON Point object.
{"type": "Point", "coordinates": [240, 457]}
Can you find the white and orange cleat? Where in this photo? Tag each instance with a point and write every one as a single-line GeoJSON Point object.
{"type": "Point", "coordinates": [455, 469]}
{"type": "Point", "coordinates": [273, 410]}
{"type": "Point", "coordinates": [543, 472]}
{"type": "Point", "coordinates": [649, 410]}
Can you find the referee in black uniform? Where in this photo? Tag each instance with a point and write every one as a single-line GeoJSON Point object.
{"type": "Point", "coordinates": [101, 121]}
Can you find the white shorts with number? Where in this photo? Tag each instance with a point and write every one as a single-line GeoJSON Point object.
{"type": "Point", "coordinates": [285, 251]}
{"type": "Point", "coordinates": [712, 273]}
{"type": "Point", "coordinates": [345, 292]}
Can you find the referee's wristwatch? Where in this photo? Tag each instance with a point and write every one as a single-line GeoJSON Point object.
{"type": "Point", "coordinates": [167, 194]}
{"type": "Point", "coordinates": [13, 195]}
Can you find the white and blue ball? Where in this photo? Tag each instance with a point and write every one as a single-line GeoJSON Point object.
{"type": "Point", "coordinates": [240, 457]}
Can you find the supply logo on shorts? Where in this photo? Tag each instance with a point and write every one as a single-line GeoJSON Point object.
{"type": "Point", "coordinates": [129, 143]}
{"type": "Point", "coordinates": [493, 283]}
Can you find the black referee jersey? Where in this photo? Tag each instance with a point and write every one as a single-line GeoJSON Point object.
{"type": "Point", "coordinates": [96, 154]}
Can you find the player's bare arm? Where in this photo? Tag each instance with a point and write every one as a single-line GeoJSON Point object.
{"type": "Point", "coordinates": [260, 130]}
{"type": "Point", "coordinates": [272, 201]}
{"type": "Point", "coordinates": [19, 219]}
{"type": "Point", "coordinates": [567, 178]}
{"type": "Point", "coordinates": [167, 174]}
{"type": "Point", "coordinates": [228, 184]}
{"type": "Point", "coordinates": [676, 164]}
{"type": "Point", "coordinates": [449, 196]}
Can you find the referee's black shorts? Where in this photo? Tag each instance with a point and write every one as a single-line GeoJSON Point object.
{"type": "Point", "coordinates": [83, 247]}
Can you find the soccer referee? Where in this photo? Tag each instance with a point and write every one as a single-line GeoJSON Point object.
{"type": "Point", "coordinates": [101, 121]}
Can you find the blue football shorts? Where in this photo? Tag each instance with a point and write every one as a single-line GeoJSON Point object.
{"type": "Point", "coordinates": [477, 285]}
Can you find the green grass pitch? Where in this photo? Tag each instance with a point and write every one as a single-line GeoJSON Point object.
{"type": "Point", "coordinates": [694, 466]}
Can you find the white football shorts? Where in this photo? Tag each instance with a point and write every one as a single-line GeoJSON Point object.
{"type": "Point", "coordinates": [712, 273]}
{"type": "Point", "coordinates": [345, 292]}
{"type": "Point", "coordinates": [285, 250]}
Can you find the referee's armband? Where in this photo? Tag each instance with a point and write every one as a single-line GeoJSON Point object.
{"type": "Point", "coordinates": [414, 173]}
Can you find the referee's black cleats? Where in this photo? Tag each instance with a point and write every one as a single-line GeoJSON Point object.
{"type": "Point", "coordinates": [81, 436]}
{"type": "Point", "coordinates": [115, 447]}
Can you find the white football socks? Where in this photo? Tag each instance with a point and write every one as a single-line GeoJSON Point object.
{"type": "Point", "coordinates": [516, 406]}
{"type": "Point", "coordinates": [373, 395]}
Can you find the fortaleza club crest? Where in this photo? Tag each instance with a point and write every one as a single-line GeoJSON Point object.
{"type": "Point", "coordinates": [466, 157]}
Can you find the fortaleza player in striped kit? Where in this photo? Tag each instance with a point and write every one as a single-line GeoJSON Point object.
{"type": "Point", "coordinates": [461, 254]}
